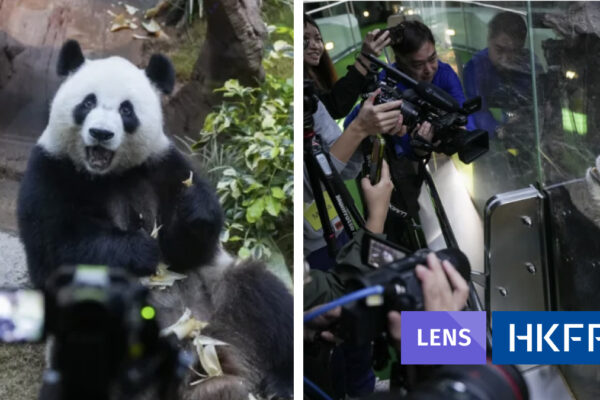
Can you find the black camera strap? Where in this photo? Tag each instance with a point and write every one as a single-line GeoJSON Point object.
{"type": "Point", "coordinates": [322, 174]}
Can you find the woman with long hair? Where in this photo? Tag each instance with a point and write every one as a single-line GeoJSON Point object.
{"type": "Point", "coordinates": [338, 96]}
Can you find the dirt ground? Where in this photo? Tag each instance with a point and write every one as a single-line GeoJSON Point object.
{"type": "Point", "coordinates": [21, 366]}
{"type": "Point", "coordinates": [21, 369]}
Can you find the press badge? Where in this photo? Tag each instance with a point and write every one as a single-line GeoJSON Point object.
{"type": "Point", "coordinates": [311, 214]}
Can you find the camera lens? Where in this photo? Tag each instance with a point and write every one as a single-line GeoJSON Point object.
{"type": "Point", "coordinates": [473, 382]}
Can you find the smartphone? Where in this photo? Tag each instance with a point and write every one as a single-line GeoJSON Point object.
{"type": "Point", "coordinates": [377, 153]}
{"type": "Point", "coordinates": [21, 315]}
{"type": "Point", "coordinates": [381, 33]}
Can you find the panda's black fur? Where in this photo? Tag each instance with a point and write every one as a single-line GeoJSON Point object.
{"type": "Point", "coordinates": [68, 214]}
{"type": "Point", "coordinates": [65, 216]}
{"type": "Point", "coordinates": [250, 310]}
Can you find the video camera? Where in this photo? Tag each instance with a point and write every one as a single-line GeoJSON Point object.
{"type": "Point", "coordinates": [106, 341]}
{"type": "Point", "coordinates": [364, 320]}
{"type": "Point", "coordinates": [423, 102]}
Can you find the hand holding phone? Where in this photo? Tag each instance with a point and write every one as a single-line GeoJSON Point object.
{"type": "Point", "coordinates": [375, 41]}
{"type": "Point", "coordinates": [377, 199]}
{"type": "Point", "coordinates": [376, 159]}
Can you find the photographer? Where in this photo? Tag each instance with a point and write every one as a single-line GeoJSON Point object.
{"type": "Point", "coordinates": [342, 147]}
{"type": "Point", "coordinates": [501, 75]}
{"type": "Point", "coordinates": [444, 289]}
{"type": "Point", "coordinates": [352, 364]}
{"type": "Point", "coordinates": [414, 50]}
{"type": "Point", "coordinates": [351, 361]}
{"type": "Point", "coordinates": [323, 287]}
{"type": "Point", "coordinates": [338, 96]}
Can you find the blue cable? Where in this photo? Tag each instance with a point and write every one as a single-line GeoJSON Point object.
{"type": "Point", "coordinates": [359, 294]}
{"type": "Point", "coordinates": [316, 389]}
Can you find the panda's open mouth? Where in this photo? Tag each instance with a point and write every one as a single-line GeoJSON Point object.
{"type": "Point", "coordinates": [98, 157]}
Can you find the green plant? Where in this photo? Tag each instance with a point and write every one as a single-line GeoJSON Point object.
{"type": "Point", "coordinates": [278, 11]}
{"type": "Point", "coordinates": [253, 126]}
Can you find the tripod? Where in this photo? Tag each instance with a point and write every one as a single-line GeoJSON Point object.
{"type": "Point", "coordinates": [323, 174]}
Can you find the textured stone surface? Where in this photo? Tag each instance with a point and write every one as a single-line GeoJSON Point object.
{"type": "Point", "coordinates": [233, 49]}
{"type": "Point", "coordinates": [13, 270]}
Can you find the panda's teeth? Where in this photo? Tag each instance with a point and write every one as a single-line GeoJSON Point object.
{"type": "Point", "coordinates": [99, 157]}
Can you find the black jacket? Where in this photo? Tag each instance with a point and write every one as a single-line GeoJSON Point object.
{"type": "Point", "coordinates": [342, 97]}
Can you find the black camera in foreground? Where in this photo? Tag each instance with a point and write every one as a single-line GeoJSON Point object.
{"type": "Point", "coordinates": [364, 320]}
{"type": "Point", "coordinates": [464, 382]}
{"type": "Point", "coordinates": [424, 102]}
{"type": "Point", "coordinates": [105, 338]}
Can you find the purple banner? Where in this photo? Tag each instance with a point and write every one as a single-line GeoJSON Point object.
{"type": "Point", "coordinates": [441, 337]}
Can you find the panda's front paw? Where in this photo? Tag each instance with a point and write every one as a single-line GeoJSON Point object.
{"type": "Point", "coordinates": [199, 211]}
{"type": "Point", "coordinates": [145, 255]}
{"type": "Point", "coordinates": [191, 238]}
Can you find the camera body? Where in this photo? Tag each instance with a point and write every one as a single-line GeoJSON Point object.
{"type": "Point", "coordinates": [106, 341]}
{"type": "Point", "coordinates": [424, 102]}
{"type": "Point", "coordinates": [364, 320]}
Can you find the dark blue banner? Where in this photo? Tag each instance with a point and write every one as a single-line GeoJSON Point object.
{"type": "Point", "coordinates": [545, 337]}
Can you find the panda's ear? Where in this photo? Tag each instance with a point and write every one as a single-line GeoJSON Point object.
{"type": "Point", "coordinates": [70, 58]}
{"type": "Point", "coordinates": [161, 73]}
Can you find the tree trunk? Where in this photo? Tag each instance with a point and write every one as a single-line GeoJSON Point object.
{"type": "Point", "coordinates": [233, 49]}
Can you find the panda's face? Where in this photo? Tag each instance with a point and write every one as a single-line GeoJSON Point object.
{"type": "Point", "coordinates": [106, 117]}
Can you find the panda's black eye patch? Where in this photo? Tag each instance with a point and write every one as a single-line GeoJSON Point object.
{"type": "Point", "coordinates": [126, 109]}
{"type": "Point", "coordinates": [130, 120]}
{"type": "Point", "coordinates": [82, 109]}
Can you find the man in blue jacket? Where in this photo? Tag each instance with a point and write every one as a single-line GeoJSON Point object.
{"type": "Point", "coordinates": [414, 49]}
{"type": "Point", "coordinates": [500, 74]}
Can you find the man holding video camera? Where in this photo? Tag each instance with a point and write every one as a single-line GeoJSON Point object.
{"type": "Point", "coordinates": [414, 48]}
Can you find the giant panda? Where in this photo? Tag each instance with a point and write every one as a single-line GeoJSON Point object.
{"type": "Point", "coordinates": [103, 173]}
{"type": "Point", "coordinates": [104, 176]}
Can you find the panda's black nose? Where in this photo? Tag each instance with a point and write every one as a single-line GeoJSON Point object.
{"type": "Point", "coordinates": [101, 135]}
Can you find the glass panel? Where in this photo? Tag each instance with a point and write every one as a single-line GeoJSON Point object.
{"type": "Point", "coordinates": [502, 77]}
{"type": "Point", "coordinates": [339, 27]}
{"type": "Point", "coordinates": [570, 97]}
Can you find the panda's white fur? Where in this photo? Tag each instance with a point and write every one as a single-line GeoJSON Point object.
{"type": "Point", "coordinates": [592, 181]}
{"type": "Point", "coordinates": [63, 137]}
{"type": "Point", "coordinates": [586, 197]}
